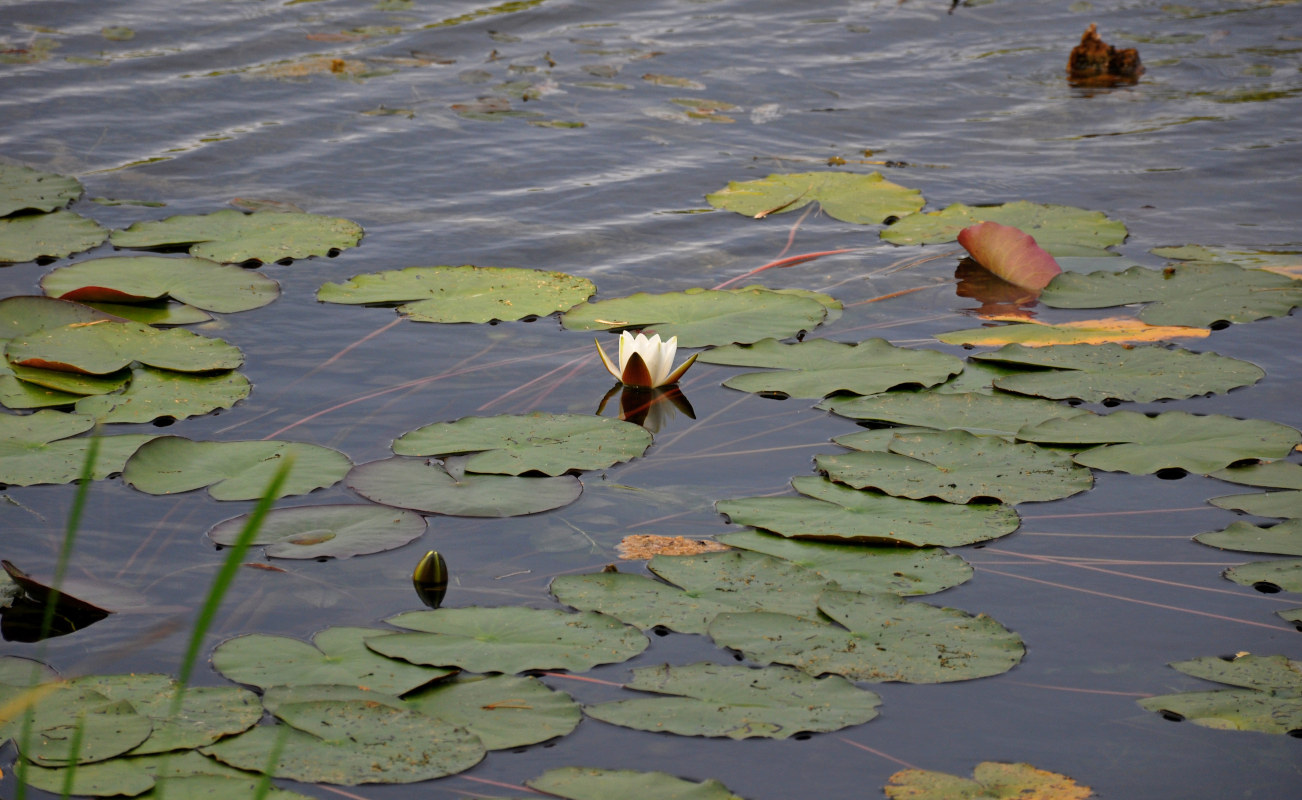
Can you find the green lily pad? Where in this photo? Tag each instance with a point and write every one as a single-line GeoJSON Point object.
{"type": "Point", "coordinates": [974, 412]}
{"type": "Point", "coordinates": [25, 314]}
{"type": "Point", "coordinates": [862, 568]}
{"type": "Point", "coordinates": [510, 639]}
{"type": "Point", "coordinates": [337, 656]}
{"type": "Point", "coordinates": [1284, 539]}
{"type": "Point", "coordinates": [884, 638]}
{"type": "Point", "coordinates": [1263, 504]}
{"type": "Point", "coordinates": [504, 711]}
{"type": "Point", "coordinates": [820, 367]}
{"type": "Point", "coordinates": [832, 512]}
{"type": "Point", "coordinates": [1272, 474]}
{"type": "Point", "coordinates": [26, 189]}
{"type": "Point", "coordinates": [178, 774]}
{"type": "Point", "coordinates": [552, 444]}
{"type": "Point", "coordinates": [464, 294]}
{"type": "Point", "coordinates": [232, 470]}
{"type": "Point", "coordinates": [233, 237]}
{"type": "Point", "coordinates": [19, 671]}
{"type": "Point", "coordinates": [589, 783]}
{"type": "Point", "coordinates": [35, 449]}
{"type": "Point", "coordinates": [1128, 441]}
{"type": "Point", "coordinates": [1061, 230]}
{"type": "Point", "coordinates": [117, 776]}
{"type": "Point", "coordinates": [847, 196]}
{"type": "Point", "coordinates": [33, 387]}
{"type": "Point", "coordinates": [1270, 700]}
{"type": "Point", "coordinates": [1284, 575]}
{"type": "Point", "coordinates": [1229, 255]}
{"type": "Point", "coordinates": [207, 712]}
{"type": "Point", "coordinates": [100, 348]}
{"type": "Point", "coordinates": [195, 281]}
{"type": "Point", "coordinates": [959, 467]}
{"type": "Point", "coordinates": [738, 702]}
{"type": "Point", "coordinates": [992, 780]}
{"type": "Point", "coordinates": [353, 742]}
{"type": "Point", "coordinates": [712, 583]}
{"type": "Point", "coordinates": [430, 488]}
{"type": "Point", "coordinates": [330, 531]}
{"type": "Point", "coordinates": [155, 393]}
{"type": "Point", "coordinates": [108, 727]}
{"type": "Point", "coordinates": [1185, 294]}
{"type": "Point", "coordinates": [159, 313]}
{"type": "Point", "coordinates": [1095, 373]}
{"type": "Point", "coordinates": [701, 317]}
{"type": "Point", "coordinates": [53, 235]}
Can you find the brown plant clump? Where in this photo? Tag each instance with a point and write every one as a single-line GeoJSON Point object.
{"type": "Point", "coordinates": [1093, 62]}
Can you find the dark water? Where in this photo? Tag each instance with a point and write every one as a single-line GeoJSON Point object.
{"type": "Point", "coordinates": [216, 100]}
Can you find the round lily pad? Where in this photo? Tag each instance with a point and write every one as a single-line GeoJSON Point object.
{"type": "Point", "coordinates": [1284, 539]}
{"type": "Point", "coordinates": [862, 568]}
{"type": "Point", "coordinates": [975, 412]}
{"type": "Point", "coordinates": [464, 294]}
{"type": "Point", "coordinates": [330, 531]}
{"type": "Point", "coordinates": [1061, 230]}
{"type": "Point", "coordinates": [35, 449]}
{"type": "Point", "coordinates": [959, 467]}
{"type": "Point", "coordinates": [232, 470]}
{"type": "Point", "coordinates": [701, 317]}
{"type": "Point", "coordinates": [883, 638]}
{"type": "Point", "coordinates": [336, 656]}
{"type": "Point", "coordinates": [198, 282]}
{"type": "Point", "coordinates": [504, 711]}
{"type": "Point", "coordinates": [108, 727]}
{"type": "Point", "coordinates": [116, 776]}
{"type": "Point", "coordinates": [847, 196]}
{"type": "Point", "coordinates": [588, 783]}
{"type": "Point", "coordinates": [510, 639]}
{"type": "Point", "coordinates": [155, 393]}
{"type": "Point", "coordinates": [1269, 700]}
{"type": "Point", "coordinates": [820, 367]}
{"type": "Point", "coordinates": [431, 488]}
{"type": "Point", "coordinates": [1196, 293]}
{"type": "Point", "coordinates": [552, 444]}
{"type": "Point", "coordinates": [233, 237]}
{"type": "Point", "coordinates": [1128, 441]}
{"type": "Point", "coordinates": [53, 235]}
{"type": "Point", "coordinates": [1263, 504]}
{"type": "Point", "coordinates": [27, 189]}
{"type": "Point", "coordinates": [102, 347]}
{"type": "Point", "coordinates": [993, 780]}
{"type": "Point", "coordinates": [738, 702]}
{"type": "Point", "coordinates": [832, 512]}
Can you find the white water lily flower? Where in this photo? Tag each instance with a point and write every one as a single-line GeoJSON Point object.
{"type": "Point", "coordinates": [645, 362]}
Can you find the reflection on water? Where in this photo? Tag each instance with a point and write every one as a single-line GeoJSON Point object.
{"type": "Point", "coordinates": [290, 103]}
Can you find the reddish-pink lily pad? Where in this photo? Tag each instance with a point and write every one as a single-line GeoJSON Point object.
{"type": "Point", "coordinates": [1010, 254]}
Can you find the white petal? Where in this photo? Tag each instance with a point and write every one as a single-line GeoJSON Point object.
{"type": "Point", "coordinates": [627, 346]}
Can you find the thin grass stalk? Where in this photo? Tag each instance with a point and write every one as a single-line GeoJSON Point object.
{"type": "Point", "coordinates": [273, 758]}
{"type": "Point", "coordinates": [74, 752]}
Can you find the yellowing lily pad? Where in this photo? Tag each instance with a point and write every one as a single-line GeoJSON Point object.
{"type": "Point", "coordinates": [101, 347]}
{"type": "Point", "coordinates": [878, 637]}
{"type": "Point", "coordinates": [1095, 373]}
{"type": "Point", "coordinates": [847, 196]}
{"type": "Point", "coordinates": [552, 444]}
{"type": "Point", "coordinates": [1098, 331]}
{"type": "Point", "coordinates": [232, 470]}
{"type": "Point", "coordinates": [701, 317]}
{"type": "Point", "coordinates": [53, 235]}
{"type": "Point", "coordinates": [432, 488]}
{"type": "Point", "coordinates": [831, 512]}
{"type": "Point", "coordinates": [27, 189]}
{"type": "Point", "coordinates": [738, 702]}
{"type": "Point", "coordinates": [992, 779]}
{"type": "Point", "coordinates": [329, 531]}
{"type": "Point", "coordinates": [1061, 230]}
{"type": "Point", "coordinates": [464, 294]}
{"type": "Point", "coordinates": [198, 282]}
{"type": "Point", "coordinates": [1194, 293]}
{"type": "Point", "coordinates": [230, 236]}
{"type": "Point", "coordinates": [998, 414]}
{"type": "Point", "coordinates": [959, 467]}
{"type": "Point", "coordinates": [1126, 441]}
{"type": "Point", "coordinates": [820, 367]}
{"type": "Point", "coordinates": [1269, 700]}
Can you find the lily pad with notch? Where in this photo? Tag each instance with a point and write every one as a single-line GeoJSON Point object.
{"type": "Point", "coordinates": [1284, 539]}
{"type": "Point", "coordinates": [1061, 230]}
{"type": "Point", "coordinates": [504, 711]}
{"type": "Point", "coordinates": [552, 444]}
{"type": "Point", "coordinates": [57, 234]}
{"type": "Point", "coordinates": [702, 317]}
{"type": "Point", "coordinates": [509, 639]}
{"type": "Point", "coordinates": [432, 488]}
{"type": "Point", "coordinates": [26, 189]}
{"type": "Point", "coordinates": [850, 197]}
{"type": "Point", "coordinates": [463, 294]}
{"type": "Point", "coordinates": [103, 347]}
{"type": "Point", "coordinates": [232, 470]}
{"type": "Point", "coordinates": [36, 448]}
{"type": "Point", "coordinates": [140, 279]}
{"type": "Point", "coordinates": [328, 531]}
{"type": "Point", "coordinates": [1268, 698]}
{"type": "Point", "coordinates": [590, 783]}
{"type": "Point", "coordinates": [1282, 575]}
{"type": "Point", "coordinates": [1263, 504]}
{"type": "Point", "coordinates": [234, 237]}
{"type": "Point", "coordinates": [738, 702]}
{"type": "Point", "coordinates": [73, 724]}
{"type": "Point", "coordinates": [829, 511]}
{"type": "Point", "coordinates": [820, 367]}
{"type": "Point", "coordinates": [974, 412]}
{"type": "Point", "coordinates": [878, 637]}
{"type": "Point", "coordinates": [157, 394]}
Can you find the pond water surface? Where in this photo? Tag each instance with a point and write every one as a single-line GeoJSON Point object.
{"type": "Point", "coordinates": [211, 101]}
